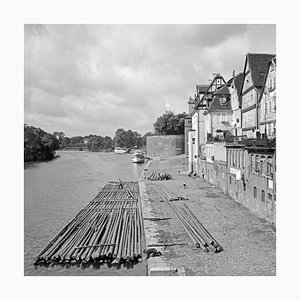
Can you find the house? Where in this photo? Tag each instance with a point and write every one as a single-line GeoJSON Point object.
{"type": "Point", "coordinates": [203, 99]}
{"type": "Point", "coordinates": [235, 90]}
{"type": "Point", "coordinates": [267, 102]}
{"type": "Point", "coordinates": [194, 135]}
{"type": "Point", "coordinates": [255, 69]}
{"type": "Point", "coordinates": [218, 116]}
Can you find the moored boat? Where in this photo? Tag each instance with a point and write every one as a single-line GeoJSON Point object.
{"type": "Point", "coordinates": [121, 150]}
{"type": "Point", "coordinates": [138, 157]}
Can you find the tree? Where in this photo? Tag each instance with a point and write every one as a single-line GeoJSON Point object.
{"type": "Point", "coordinates": [127, 139]}
{"type": "Point", "coordinates": [144, 138]}
{"type": "Point", "coordinates": [39, 144]}
{"type": "Point", "coordinates": [169, 123]}
{"type": "Point", "coordinates": [98, 143]}
{"type": "Point", "coordinates": [65, 141]}
{"type": "Point", "coordinates": [75, 140]}
{"type": "Point", "coordinates": [59, 136]}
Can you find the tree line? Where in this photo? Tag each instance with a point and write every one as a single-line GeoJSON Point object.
{"type": "Point", "coordinates": [39, 145]}
{"type": "Point", "coordinates": [92, 142]}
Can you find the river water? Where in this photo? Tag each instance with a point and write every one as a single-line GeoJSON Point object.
{"type": "Point", "coordinates": [56, 190]}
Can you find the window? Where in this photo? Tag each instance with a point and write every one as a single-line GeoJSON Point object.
{"type": "Point", "coordinates": [233, 158]}
{"type": "Point", "coordinates": [269, 169]}
{"type": "Point", "coordinates": [262, 166]}
{"type": "Point", "coordinates": [256, 167]}
{"type": "Point", "coordinates": [274, 82]}
{"type": "Point", "coordinates": [255, 192]}
{"type": "Point", "coordinates": [263, 196]}
{"type": "Point", "coordinates": [253, 163]}
{"type": "Point", "coordinates": [219, 117]}
{"type": "Point", "coordinates": [224, 101]}
{"type": "Point", "coordinates": [230, 179]}
{"type": "Point", "coordinates": [270, 196]}
{"type": "Point", "coordinates": [227, 157]}
{"type": "Point", "coordinates": [242, 158]}
{"type": "Point", "coordinates": [271, 83]}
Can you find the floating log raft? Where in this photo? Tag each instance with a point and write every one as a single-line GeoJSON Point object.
{"type": "Point", "coordinates": [159, 176]}
{"type": "Point", "coordinates": [109, 229]}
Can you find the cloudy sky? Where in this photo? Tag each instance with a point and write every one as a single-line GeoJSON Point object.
{"type": "Point", "coordinates": [94, 79]}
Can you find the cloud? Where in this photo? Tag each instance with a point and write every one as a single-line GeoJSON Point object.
{"type": "Point", "coordinates": [84, 79]}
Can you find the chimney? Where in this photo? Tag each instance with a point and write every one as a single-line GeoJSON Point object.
{"type": "Point", "coordinates": [233, 73]}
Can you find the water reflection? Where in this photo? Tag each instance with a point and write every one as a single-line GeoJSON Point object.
{"type": "Point", "coordinates": [56, 191]}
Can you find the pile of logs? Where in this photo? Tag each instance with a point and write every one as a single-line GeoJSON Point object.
{"type": "Point", "coordinates": [198, 234]}
{"type": "Point", "coordinates": [159, 176]}
{"type": "Point", "coordinates": [109, 229]}
{"type": "Point", "coordinates": [164, 193]}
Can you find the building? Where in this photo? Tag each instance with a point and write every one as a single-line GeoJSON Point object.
{"type": "Point", "coordinates": [255, 69]}
{"type": "Point", "coordinates": [218, 116]}
{"type": "Point", "coordinates": [203, 98]}
{"type": "Point", "coordinates": [251, 160]}
{"type": "Point", "coordinates": [187, 128]}
{"type": "Point", "coordinates": [234, 132]}
{"type": "Point", "coordinates": [235, 90]}
{"type": "Point", "coordinates": [195, 135]}
{"type": "Point", "coordinates": [267, 102]}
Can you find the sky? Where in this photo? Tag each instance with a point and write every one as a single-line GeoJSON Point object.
{"type": "Point", "coordinates": [94, 79]}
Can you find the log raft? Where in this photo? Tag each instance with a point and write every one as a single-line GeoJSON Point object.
{"type": "Point", "coordinates": [109, 229]}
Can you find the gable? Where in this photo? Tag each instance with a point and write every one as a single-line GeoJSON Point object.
{"type": "Point", "coordinates": [217, 82]}
{"type": "Point", "coordinates": [248, 82]}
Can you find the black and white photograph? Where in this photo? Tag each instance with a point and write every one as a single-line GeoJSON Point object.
{"type": "Point", "coordinates": [150, 150]}
{"type": "Point", "coordinates": [144, 152]}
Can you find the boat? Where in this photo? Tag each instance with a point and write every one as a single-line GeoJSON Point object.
{"type": "Point", "coordinates": [121, 150]}
{"type": "Point", "coordinates": [138, 157]}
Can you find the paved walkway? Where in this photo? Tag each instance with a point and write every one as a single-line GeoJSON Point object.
{"type": "Point", "coordinates": [249, 243]}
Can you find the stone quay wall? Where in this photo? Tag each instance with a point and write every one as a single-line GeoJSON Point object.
{"type": "Point", "coordinates": [165, 145]}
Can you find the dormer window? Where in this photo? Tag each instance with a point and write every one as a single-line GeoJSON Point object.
{"type": "Point", "coordinates": [224, 101]}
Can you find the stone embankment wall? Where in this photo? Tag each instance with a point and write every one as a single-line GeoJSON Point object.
{"type": "Point", "coordinates": [252, 192]}
{"type": "Point", "coordinates": [165, 145]}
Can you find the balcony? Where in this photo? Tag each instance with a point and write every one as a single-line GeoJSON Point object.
{"type": "Point", "coordinates": [252, 142]}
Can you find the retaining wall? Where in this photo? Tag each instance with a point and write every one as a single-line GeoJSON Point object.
{"type": "Point", "coordinates": [165, 145]}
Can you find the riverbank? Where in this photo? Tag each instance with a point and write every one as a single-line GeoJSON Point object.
{"type": "Point", "coordinates": [249, 243]}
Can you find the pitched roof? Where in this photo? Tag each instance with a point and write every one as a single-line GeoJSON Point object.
{"type": "Point", "coordinates": [266, 77]}
{"type": "Point", "coordinates": [208, 93]}
{"type": "Point", "coordinates": [202, 88]}
{"type": "Point", "coordinates": [216, 105]}
{"type": "Point", "coordinates": [258, 63]}
{"type": "Point", "coordinates": [238, 83]}
{"type": "Point", "coordinates": [223, 90]}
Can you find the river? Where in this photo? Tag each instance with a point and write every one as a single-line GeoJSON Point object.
{"type": "Point", "coordinates": [56, 190]}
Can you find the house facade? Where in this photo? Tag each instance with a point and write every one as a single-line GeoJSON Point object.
{"type": "Point", "coordinates": [218, 116]}
{"type": "Point", "coordinates": [268, 102]}
{"type": "Point", "coordinates": [203, 102]}
{"type": "Point", "coordinates": [235, 90]}
{"type": "Point", "coordinates": [255, 68]}
{"type": "Point", "coordinates": [236, 124]}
